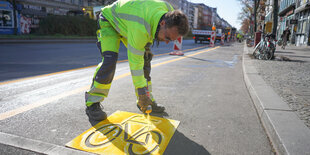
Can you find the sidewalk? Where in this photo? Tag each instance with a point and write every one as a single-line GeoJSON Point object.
{"type": "Point", "coordinates": [292, 80]}
{"type": "Point", "coordinates": [280, 91]}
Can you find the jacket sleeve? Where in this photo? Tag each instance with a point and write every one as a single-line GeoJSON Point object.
{"type": "Point", "coordinates": [137, 39]}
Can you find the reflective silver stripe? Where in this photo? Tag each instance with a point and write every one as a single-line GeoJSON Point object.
{"type": "Point", "coordinates": [136, 19]}
{"type": "Point", "coordinates": [137, 72]}
{"type": "Point", "coordinates": [99, 91]}
{"type": "Point", "coordinates": [114, 18]}
{"type": "Point", "coordinates": [149, 87]}
{"type": "Point", "coordinates": [168, 6]}
{"type": "Point", "coordinates": [135, 51]}
{"type": "Point", "coordinates": [94, 99]}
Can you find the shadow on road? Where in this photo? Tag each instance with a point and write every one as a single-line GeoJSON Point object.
{"type": "Point", "coordinates": [284, 52]}
{"type": "Point", "coordinates": [180, 144]}
{"type": "Point", "coordinates": [164, 114]}
{"type": "Point", "coordinates": [93, 122]}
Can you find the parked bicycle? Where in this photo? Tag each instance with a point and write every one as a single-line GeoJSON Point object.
{"type": "Point", "coordinates": [265, 49]}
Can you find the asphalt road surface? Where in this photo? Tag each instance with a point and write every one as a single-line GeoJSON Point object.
{"type": "Point", "coordinates": [204, 90]}
{"type": "Point", "coordinates": [30, 59]}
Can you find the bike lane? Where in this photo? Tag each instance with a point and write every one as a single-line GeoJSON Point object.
{"type": "Point", "coordinates": [215, 117]}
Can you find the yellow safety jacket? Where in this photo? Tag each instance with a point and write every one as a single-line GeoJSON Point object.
{"type": "Point", "coordinates": [136, 21]}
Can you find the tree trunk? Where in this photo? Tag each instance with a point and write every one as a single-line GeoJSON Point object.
{"type": "Point", "coordinates": [255, 12]}
{"type": "Point", "coordinates": [275, 17]}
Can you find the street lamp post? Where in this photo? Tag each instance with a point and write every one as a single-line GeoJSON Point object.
{"type": "Point", "coordinates": [15, 17]}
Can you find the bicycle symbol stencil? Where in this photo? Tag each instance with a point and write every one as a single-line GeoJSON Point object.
{"type": "Point", "coordinates": [127, 133]}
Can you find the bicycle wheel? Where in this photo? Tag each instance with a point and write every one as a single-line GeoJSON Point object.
{"type": "Point", "coordinates": [103, 135]}
{"type": "Point", "coordinates": [149, 143]}
{"type": "Point", "coordinates": [265, 54]}
{"type": "Point", "coordinates": [256, 50]}
{"type": "Point", "coordinates": [261, 56]}
{"type": "Point", "coordinates": [270, 54]}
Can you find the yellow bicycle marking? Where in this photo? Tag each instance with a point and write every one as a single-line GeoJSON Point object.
{"type": "Point", "coordinates": [127, 133]}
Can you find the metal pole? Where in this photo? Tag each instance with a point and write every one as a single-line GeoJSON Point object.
{"type": "Point", "coordinates": [15, 17]}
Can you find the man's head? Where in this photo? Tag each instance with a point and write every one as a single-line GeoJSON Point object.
{"type": "Point", "coordinates": [173, 26]}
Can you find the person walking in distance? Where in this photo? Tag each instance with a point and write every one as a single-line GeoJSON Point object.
{"type": "Point", "coordinates": [138, 24]}
{"type": "Point", "coordinates": [285, 37]}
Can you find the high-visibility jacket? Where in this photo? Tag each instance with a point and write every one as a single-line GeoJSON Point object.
{"type": "Point", "coordinates": [136, 21]}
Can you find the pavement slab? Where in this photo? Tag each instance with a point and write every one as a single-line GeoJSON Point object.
{"type": "Point", "coordinates": [287, 132]}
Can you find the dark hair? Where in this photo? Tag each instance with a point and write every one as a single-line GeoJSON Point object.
{"type": "Point", "coordinates": [177, 18]}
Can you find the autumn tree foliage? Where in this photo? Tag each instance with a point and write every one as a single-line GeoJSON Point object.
{"type": "Point", "coordinates": [245, 16]}
{"type": "Point", "coordinates": [247, 13]}
{"type": "Point", "coordinates": [245, 26]}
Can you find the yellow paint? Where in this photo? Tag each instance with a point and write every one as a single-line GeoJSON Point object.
{"type": "Point", "coordinates": [148, 122]}
{"type": "Point", "coordinates": [127, 133]}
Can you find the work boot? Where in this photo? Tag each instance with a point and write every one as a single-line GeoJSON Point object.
{"type": "Point", "coordinates": [157, 108]}
{"type": "Point", "coordinates": [95, 112]}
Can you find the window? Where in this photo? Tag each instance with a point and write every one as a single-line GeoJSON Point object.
{"type": "Point", "coordinates": [304, 26]}
{"type": "Point", "coordinates": [299, 26]}
{"type": "Point", "coordinates": [6, 19]}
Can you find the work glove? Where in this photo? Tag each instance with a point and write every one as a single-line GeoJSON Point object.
{"type": "Point", "coordinates": [143, 103]}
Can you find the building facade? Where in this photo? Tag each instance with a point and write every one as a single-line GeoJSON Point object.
{"type": "Point", "coordinates": [287, 18]}
{"type": "Point", "coordinates": [302, 15]}
{"type": "Point", "coordinates": [191, 14]}
{"type": "Point", "coordinates": [29, 12]}
{"type": "Point", "coordinates": [188, 9]}
{"type": "Point", "coordinates": [294, 15]}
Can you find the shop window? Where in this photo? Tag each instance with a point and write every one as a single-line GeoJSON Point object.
{"type": "Point", "coordinates": [6, 19]}
{"type": "Point", "coordinates": [299, 26]}
{"type": "Point", "coordinates": [304, 26]}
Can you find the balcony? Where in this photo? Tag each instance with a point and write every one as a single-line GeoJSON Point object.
{"type": "Point", "coordinates": [302, 2]}
{"type": "Point", "coordinates": [286, 6]}
{"type": "Point", "coordinates": [301, 5]}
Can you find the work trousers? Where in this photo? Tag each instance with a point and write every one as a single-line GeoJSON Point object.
{"type": "Point", "coordinates": [108, 44]}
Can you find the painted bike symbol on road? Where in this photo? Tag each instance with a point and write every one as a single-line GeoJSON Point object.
{"type": "Point", "coordinates": [137, 132]}
{"type": "Point", "coordinates": [127, 133]}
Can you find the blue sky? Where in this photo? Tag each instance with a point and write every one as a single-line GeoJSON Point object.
{"type": "Point", "coordinates": [227, 9]}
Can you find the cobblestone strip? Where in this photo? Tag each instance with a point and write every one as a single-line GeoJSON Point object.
{"type": "Point", "coordinates": [290, 79]}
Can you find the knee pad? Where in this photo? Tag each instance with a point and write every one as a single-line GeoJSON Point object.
{"type": "Point", "coordinates": [106, 71]}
